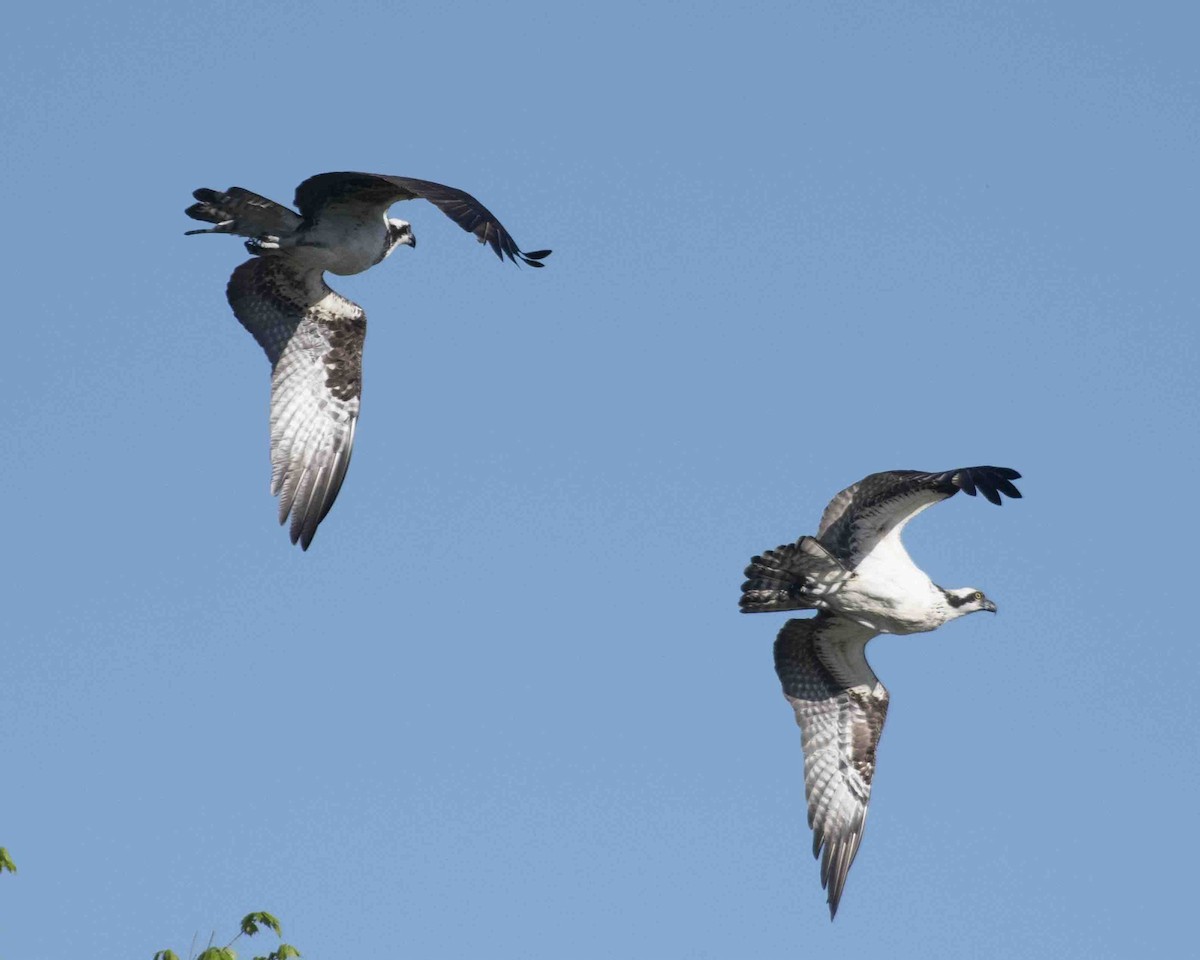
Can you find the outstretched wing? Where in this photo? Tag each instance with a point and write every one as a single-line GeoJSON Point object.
{"type": "Point", "coordinates": [369, 195]}
{"type": "Point", "coordinates": [865, 513]}
{"type": "Point", "coordinates": [314, 340]}
{"type": "Point", "coordinates": [840, 708]}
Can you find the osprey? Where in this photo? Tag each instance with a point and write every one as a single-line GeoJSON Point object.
{"type": "Point", "coordinates": [856, 573]}
{"type": "Point", "coordinates": [312, 335]}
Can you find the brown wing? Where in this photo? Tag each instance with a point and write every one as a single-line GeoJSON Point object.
{"type": "Point", "coordinates": [314, 340]}
{"type": "Point", "coordinates": [861, 515]}
{"type": "Point", "coordinates": [375, 192]}
{"type": "Point", "coordinates": [840, 707]}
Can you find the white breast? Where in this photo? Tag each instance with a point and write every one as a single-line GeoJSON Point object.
{"type": "Point", "coordinates": [889, 593]}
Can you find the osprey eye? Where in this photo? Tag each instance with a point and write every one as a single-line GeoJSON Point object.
{"type": "Point", "coordinates": [977, 596]}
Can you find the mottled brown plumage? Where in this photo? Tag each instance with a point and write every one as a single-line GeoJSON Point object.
{"type": "Point", "coordinates": [840, 706]}
{"type": "Point", "coordinates": [314, 340]}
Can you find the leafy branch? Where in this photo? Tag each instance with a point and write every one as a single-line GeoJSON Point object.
{"type": "Point", "coordinates": [251, 924]}
{"type": "Point", "coordinates": [6, 862]}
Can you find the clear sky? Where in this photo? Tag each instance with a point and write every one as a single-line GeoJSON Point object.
{"type": "Point", "coordinates": [506, 705]}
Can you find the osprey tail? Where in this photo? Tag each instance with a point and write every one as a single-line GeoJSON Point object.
{"type": "Point", "coordinates": [241, 212]}
{"type": "Point", "coordinates": [795, 576]}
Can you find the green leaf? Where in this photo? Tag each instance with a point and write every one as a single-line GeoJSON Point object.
{"type": "Point", "coordinates": [285, 950]}
{"type": "Point", "coordinates": [251, 921]}
{"type": "Point", "coordinates": [165, 955]}
{"type": "Point", "coordinates": [7, 864]}
{"type": "Point", "coordinates": [218, 953]}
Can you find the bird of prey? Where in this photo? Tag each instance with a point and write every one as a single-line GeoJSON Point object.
{"type": "Point", "coordinates": [856, 573]}
{"type": "Point", "coordinates": [312, 335]}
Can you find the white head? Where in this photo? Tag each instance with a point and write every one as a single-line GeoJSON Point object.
{"type": "Point", "coordinates": [964, 600]}
{"type": "Point", "coordinates": [399, 233]}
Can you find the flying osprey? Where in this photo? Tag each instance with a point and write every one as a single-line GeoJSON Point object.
{"type": "Point", "coordinates": [859, 577]}
{"type": "Point", "coordinates": [312, 335]}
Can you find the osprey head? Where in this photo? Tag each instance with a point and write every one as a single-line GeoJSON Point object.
{"type": "Point", "coordinates": [399, 232]}
{"type": "Point", "coordinates": [964, 600]}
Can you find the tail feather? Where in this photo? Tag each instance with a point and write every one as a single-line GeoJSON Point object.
{"type": "Point", "coordinates": [795, 576]}
{"type": "Point", "coordinates": [241, 212]}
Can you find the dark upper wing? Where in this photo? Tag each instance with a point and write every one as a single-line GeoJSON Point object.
{"type": "Point", "coordinates": [862, 514]}
{"type": "Point", "coordinates": [375, 192]}
{"type": "Point", "coordinates": [314, 340]}
{"type": "Point", "coordinates": [840, 707]}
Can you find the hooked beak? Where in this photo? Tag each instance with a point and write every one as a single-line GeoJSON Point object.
{"type": "Point", "coordinates": [988, 606]}
{"type": "Point", "coordinates": [411, 240]}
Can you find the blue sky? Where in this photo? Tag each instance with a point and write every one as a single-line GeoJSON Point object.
{"type": "Point", "coordinates": [506, 706]}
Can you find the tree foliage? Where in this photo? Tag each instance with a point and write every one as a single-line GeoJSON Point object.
{"type": "Point", "coordinates": [250, 925]}
{"type": "Point", "coordinates": [6, 862]}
